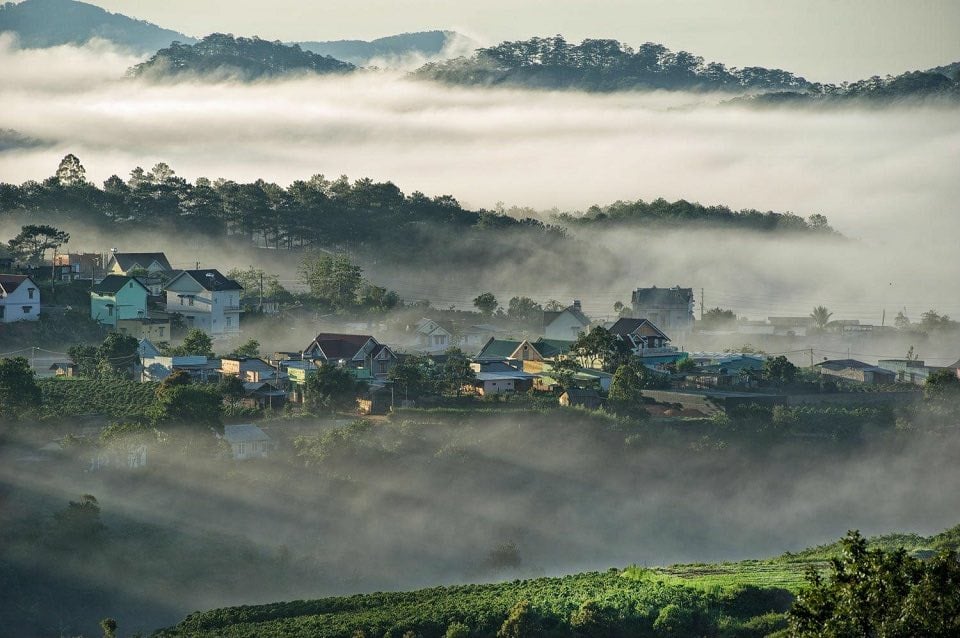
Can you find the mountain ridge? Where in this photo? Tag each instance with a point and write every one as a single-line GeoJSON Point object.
{"type": "Point", "coordinates": [48, 23]}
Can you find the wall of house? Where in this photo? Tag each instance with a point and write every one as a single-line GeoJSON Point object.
{"type": "Point", "coordinates": [130, 302]}
{"type": "Point", "coordinates": [215, 312]}
{"type": "Point", "coordinates": [21, 304]}
{"type": "Point", "coordinates": [500, 386]}
{"type": "Point", "coordinates": [151, 329]}
{"type": "Point", "coordinates": [249, 449]}
{"type": "Point", "coordinates": [565, 326]}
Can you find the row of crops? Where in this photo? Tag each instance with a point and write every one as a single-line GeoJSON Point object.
{"type": "Point", "coordinates": [115, 398]}
{"type": "Point", "coordinates": [631, 602]}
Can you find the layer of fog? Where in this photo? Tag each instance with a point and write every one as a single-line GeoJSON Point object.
{"type": "Point", "coordinates": [884, 177]}
{"type": "Point", "coordinates": [569, 496]}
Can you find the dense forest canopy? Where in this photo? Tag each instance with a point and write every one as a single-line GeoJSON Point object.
{"type": "Point", "coordinates": [602, 65]}
{"type": "Point", "coordinates": [248, 58]}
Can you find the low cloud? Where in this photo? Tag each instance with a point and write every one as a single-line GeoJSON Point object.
{"type": "Point", "coordinates": [885, 177]}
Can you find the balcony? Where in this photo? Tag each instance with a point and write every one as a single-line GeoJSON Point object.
{"type": "Point", "coordinates": [656, 352]}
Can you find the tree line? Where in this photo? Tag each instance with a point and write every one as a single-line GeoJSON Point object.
{"type": "Point", "coordinates": [307, 213]}
{"type": "Point", "coordinates": [602, 65]}
{"type": "Point", "coordinates": [661, 212]}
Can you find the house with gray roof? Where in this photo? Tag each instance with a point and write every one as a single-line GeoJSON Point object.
{"type": "Point", "coordinates": [127, 263]}
{"type": "Point", "coordinates": [247, 441]}
{"type": "Point", "coordinates": [207, 300]}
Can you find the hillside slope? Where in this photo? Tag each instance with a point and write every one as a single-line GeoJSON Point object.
{"type": "Point", "coordinates": [425, 44]}
{"type": "Point", "coordinates": [48, 23]}
{"type": "Point", "coordinates": [747, 598]}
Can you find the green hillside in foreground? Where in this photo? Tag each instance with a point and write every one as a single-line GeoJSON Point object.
{"type": "Point", "coordinates": [741, 599]}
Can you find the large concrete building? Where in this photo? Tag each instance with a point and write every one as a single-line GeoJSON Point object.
{"type": "Point", "coordinates": [670, 309]}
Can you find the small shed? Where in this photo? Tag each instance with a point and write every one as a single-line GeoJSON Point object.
{"type": "Point", "coordinates": [582, 397]}
{"type": "Point", "coordinates": [247, 441]}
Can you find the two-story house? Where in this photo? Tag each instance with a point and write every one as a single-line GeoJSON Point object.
{"type": "Point", "coordinates": [19, 299]}
{"type": "Point", "coordinates": [646, 341]}
{"type": "Point", "coordinates": [669, 308]}
{"type": "Point", "coordinates": [207, 300]}
{"type": "Point", "coordinates": [117, 297]}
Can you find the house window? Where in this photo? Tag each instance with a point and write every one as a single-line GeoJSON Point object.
{"type": "Point", "coordinates": [189, 301]}
{"type": "Point", "coordinates": [381, 367]}
{"type": "Point", "coordinates": [229, 321]}
{"type": "Point", "coordinates": [30, 292]}
{"type": "Point", "coordinates": [109, 311]}
{"type": "Point", "coordinates": [160, 332]}
{"type": "Point", "coordinates": [27, 309]}
{"type": "Point", "coordinates": [241, 448]}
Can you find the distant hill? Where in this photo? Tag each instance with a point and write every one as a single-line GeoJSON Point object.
{"type": "Point", "coordinates": [913, 85]}
{"type": "Point", "coordinates": [47, 23]}
{"type": "Point", "coordinates": [602, 65]}
{"type": "Point", "coordinates": [427, 44]}
{"type": "Point", "coordinates": [244, 58]}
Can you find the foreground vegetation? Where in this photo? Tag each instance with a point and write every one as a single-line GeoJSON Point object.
{"type": "Point", "coordinates": [750, 598]}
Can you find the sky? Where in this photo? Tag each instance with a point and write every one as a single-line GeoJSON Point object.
{"type": "Point", "coordinates": [823, 40]}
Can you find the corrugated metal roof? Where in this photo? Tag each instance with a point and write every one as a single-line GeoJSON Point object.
{"type": "Point", "coordinates": [244, 433]}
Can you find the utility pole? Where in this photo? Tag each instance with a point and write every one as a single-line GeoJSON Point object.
{"type": "Point", "coordinates": [701, 304]}
{"type": "Point", "coordinates": [811, 357]}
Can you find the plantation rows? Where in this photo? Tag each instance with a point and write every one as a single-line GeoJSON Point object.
{"type": "Point", "coordinates": [632, 602]}
{"type": "Point", "coordinates": [82, 397]}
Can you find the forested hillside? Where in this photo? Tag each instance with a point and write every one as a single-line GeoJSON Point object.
{"type": "Point", "coordinates": [661, 213]}
{"type": "Point", "coordinates": [907, 86]}
{"type": "Point", "coordinates": [602, 65]}
{"type": "Point", "coordinates": [48, 23]}
{"type": "Point", "coordinates": [610, 65]}
{"type": "Point", "coordinates": [223, 55]}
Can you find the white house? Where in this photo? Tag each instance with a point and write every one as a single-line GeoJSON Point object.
{"type": "Point", "coordinates": [246, 441]}
{"type": "Point", "coordinates": [207, 300]}
{"type": "Point", "coordinates": [19, 299]}
{"type": "Point", "coordinates": [566, 324]}
{"type": "Point", "coordinates": [432, 337]}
